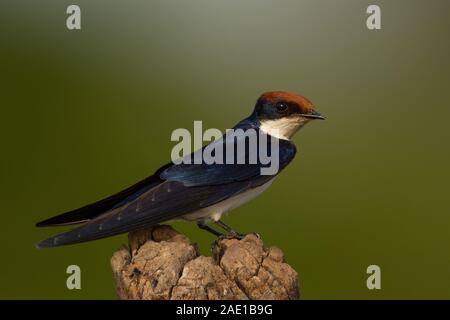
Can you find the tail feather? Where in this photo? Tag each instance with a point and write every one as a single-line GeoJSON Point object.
{"type": "Point", "coordinates": [95, 209]}
{"type": "Point", "coordinates": [106, 225]}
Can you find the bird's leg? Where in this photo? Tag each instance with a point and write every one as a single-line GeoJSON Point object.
{"type": "Point", "coordinates": [230, 230]}
{"type": "Point", "coordinates": [209, 229]}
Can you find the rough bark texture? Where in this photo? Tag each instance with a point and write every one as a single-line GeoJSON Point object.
{"type": "Point", "coordinates": [161, 263]}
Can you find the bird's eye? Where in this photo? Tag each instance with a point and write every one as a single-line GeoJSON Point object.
{"type": "Point", "coordinates": [281, 107]}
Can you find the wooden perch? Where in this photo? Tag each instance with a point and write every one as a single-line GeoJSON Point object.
{"type": "Point", "coordinates": [161, 263]}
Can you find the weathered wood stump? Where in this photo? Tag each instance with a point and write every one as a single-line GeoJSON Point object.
{"type": "Point", "coordinates": [161, 263]}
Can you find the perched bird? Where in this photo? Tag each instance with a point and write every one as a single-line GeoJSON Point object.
{"type": "Point", "coordinates": [195, 192]}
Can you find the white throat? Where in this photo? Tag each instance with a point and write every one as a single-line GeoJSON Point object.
{"type": "Point", "coordinates": [283, 128]}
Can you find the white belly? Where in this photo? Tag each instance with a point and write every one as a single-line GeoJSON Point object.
{"type": "Point", "coordinates": [215, 211]}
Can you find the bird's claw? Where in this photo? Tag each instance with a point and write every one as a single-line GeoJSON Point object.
{"type": "Point", "coordinates": [238, 235]}
{"type": "Point", "coordinates": [216, 241]}
{"type": "Point", "coordinates": [232, 235]}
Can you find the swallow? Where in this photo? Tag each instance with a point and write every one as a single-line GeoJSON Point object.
{"type": "Point", "coordinates": [199, 193]}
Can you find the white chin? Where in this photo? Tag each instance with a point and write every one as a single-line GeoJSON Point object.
{"type": "Point", "coordinates": [283, 128]}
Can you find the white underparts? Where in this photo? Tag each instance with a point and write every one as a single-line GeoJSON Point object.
{"type": "Point", "coordinates": [283, 128]}
{"type": "Point", "coordinates": [215, 211]}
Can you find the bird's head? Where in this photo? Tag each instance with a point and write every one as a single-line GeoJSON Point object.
{"type": "Point", "coordinates": [282, 114]}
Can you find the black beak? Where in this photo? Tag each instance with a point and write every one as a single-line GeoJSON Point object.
{"type": "Point", "coordinates": [313, 115]}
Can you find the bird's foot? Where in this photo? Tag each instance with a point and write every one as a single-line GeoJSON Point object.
{"type": "Point", "coordinates": [231, 233]}
{"type": "Point", "coordinates": [215, 244]}
{"type": "Point", "coordinates": [229, 236]}
{"type": "Point", "coordinates": [240, 236]}
{"type": "Point", "coordinates": [236, 235]}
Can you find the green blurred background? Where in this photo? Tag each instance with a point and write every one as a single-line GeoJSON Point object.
{"type": "Point", "coordinates": [87, 113]}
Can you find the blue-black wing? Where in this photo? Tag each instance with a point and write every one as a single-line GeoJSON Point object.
{"type": "Point", "coordinates": [172, 192]}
